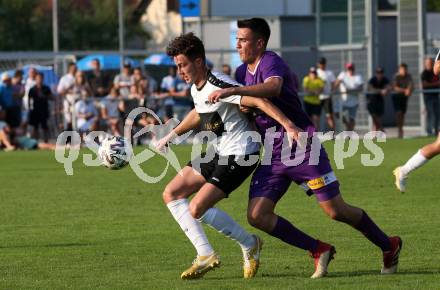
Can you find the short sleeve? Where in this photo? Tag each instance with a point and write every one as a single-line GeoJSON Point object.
{"type": "Point", "coordinates": [304, 83]}
{"type": "Point", "coordinates": [116, 80]}
{"type": "Point", "coordinates": [240, 74]}
{"type": "Point", "coordinates": [341, 76]}
{"type": "Point", "coordinates": [331, 77]}
{"type": "Point", "coordinates": [235, 99]}
{"type": "Point", "coordinates": [272, 66]}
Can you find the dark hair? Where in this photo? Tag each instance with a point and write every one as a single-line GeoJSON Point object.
{"type": "Point", "coordinates": [71, 64]}
{"type": "Point", "coordinates": [187, 44]}
{"type": "Point", "coordinates": [404, 65]}
{"type": "Point", "coordinates": [323, 61]}
{"type": "Point", "coordinates": [258, 26]}
{"type": "Point", "coordinates": [18, 73]}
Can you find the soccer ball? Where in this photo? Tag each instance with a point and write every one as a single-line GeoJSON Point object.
{"type": "Point", "coordinates": [115, 152]}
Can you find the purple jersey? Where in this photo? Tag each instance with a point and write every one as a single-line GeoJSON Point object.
{"type": "Point", "coordinates": [271, 65]}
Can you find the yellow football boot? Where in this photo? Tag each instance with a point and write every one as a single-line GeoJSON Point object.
{"type": "Point", "coordinates": [201, 265]}
{"type": "Point", "coordinates": [251, 259]}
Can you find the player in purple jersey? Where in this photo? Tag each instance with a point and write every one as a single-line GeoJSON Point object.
{"type": "Point", "coordinates": [268, 76]}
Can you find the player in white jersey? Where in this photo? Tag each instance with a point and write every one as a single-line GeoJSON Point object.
{"type": "Point", "coordinates": [215, 178]}
{"type": "Point", "coordinates": [423, 155]}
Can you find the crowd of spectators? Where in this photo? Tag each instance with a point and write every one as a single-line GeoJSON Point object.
{"type": "Point", "coordinates": [31, 113]}
{"type": "Point", "coordinates": [338, 97]}
{"type": "Point", "coordinates": [86, 101]}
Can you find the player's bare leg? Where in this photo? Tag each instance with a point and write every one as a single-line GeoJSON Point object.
{"type": "Point", "coordinates": [201, 208]}
{"type": "Point", "coordinates": [337, 209]}
{"type": "Point", "coordinates": [175, 197]}
{"type": "Point", "coordinates": [417, 160]}
{"type": "Point", "coordinates": [262, 216]}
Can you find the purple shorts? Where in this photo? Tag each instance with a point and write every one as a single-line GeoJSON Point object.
{"type": "Point", "coordinates": [272, 181]}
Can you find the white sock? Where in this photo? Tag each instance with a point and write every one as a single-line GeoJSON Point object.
{"type": "Point", "coordinates": [190, 226]}
{"type": "Point", "coordinates": [223, 223]}
{"type": "Point", "coordinates": [413, 163]}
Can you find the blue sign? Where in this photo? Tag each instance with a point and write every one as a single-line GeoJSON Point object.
{"type": "Point", "coordinates": [190, 8]}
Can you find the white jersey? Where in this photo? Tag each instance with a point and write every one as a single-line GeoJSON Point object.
{"type": "Point", "coordinates": [329, 78]}
{"type": "Point", "coordinates": [224, 118]}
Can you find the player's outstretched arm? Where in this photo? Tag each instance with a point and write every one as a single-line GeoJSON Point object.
{"type": "Point", "coordinates": [269, 89]}
{"type": "Point", "coordinates": [272, 111]}
{"type": "Point", "coordinates": [191, 121]}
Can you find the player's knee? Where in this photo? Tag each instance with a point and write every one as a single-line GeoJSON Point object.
{"type": "Point", "coordinates": [255, 219]}
{"type": "Point", "coordinates": [335, 214]}
{"type": "Point", "coordinates": [196, 210]}
{"type": "Point", "coordinates": [437, 146]}
{"type": "Point", "coordinates": [169, 195]}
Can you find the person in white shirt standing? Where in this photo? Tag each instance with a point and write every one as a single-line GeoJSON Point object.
{"type": "Point", "coordinates": [326, 96]}
{"type": "Point", "coordinates": [28, 85]}
{"type": "Point", "coordinates": [350, 85]}
{"type": "Point", "coordinates": [64, 90]}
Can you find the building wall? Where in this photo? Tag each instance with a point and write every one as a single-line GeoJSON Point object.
{"type": "Point", "coordinates": [253, 8]}
{"type": "Point", "coordinates": [217, 34]}
{"type": "Point", "coordinates": [299, 32]}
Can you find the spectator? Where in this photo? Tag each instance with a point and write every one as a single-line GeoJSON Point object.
{"type": "Point", "coordinates": [124, 81]}
{"type": "Point", "coordinates": [98, 80]}
{"type": "Point", "coordinates": [403, 87]}
{"type": "Point", "coordinates": [65, 90]}
{"type": "Point", "coordinates": [139, 80]}
{"type": "Point", "coordinates": [151, 91]}
{"type": "Point", "coordinates": [350, 85]}
{"type": "Point", "coordinates": [86, 115]}
{"type": "Point", "coordinates": [81, 92]}
{"type": "Point", "coordinates": [326, 96]}
{"type": "Point", "coordinates": [430, 81]}
{"type": "Point", "coordinates": [168, 86]}
{"type": "Point", "coordinates": [21, 141]}
{"type": "Point", "coordinates": [182, 98]}
{"type": "Point", "coordinates": [313, 87]}
{"type": "Point", "coordinates": [11, 106]}
{"type": "Point", "coordinates": [18, 92]}
{"type": "Point", "coordinates": [4, 137]}
{"type": "Point", "coordinates": [226, 69]}
{"type": "Point", "coordinates": [378, 88]}
{"type": "Point", "coordinates": [28, 84]}
{"type": "Point", "coordinates": [39, 97]}
{"type": "Point", "coordinates": [110, 106]}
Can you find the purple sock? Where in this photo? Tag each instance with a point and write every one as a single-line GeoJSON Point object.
{"type": "Point", "coordinates": [286, 232]}
{"type": "Point", "coordinates": [373, 233]}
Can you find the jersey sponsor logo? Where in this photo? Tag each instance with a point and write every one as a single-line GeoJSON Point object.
{"type": "Point", "coordinates": [212, 122]}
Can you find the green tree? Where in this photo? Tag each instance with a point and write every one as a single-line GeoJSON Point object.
{"type": "Point", "coordinates": [24, 25]}
{"type": "Point", "coordinates": [83, 25]}
{"type": "Point", "coordinates": [433, 6]}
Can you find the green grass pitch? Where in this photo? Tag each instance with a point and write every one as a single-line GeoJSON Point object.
{"type": "Point", "coordinates": [103, 229]}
